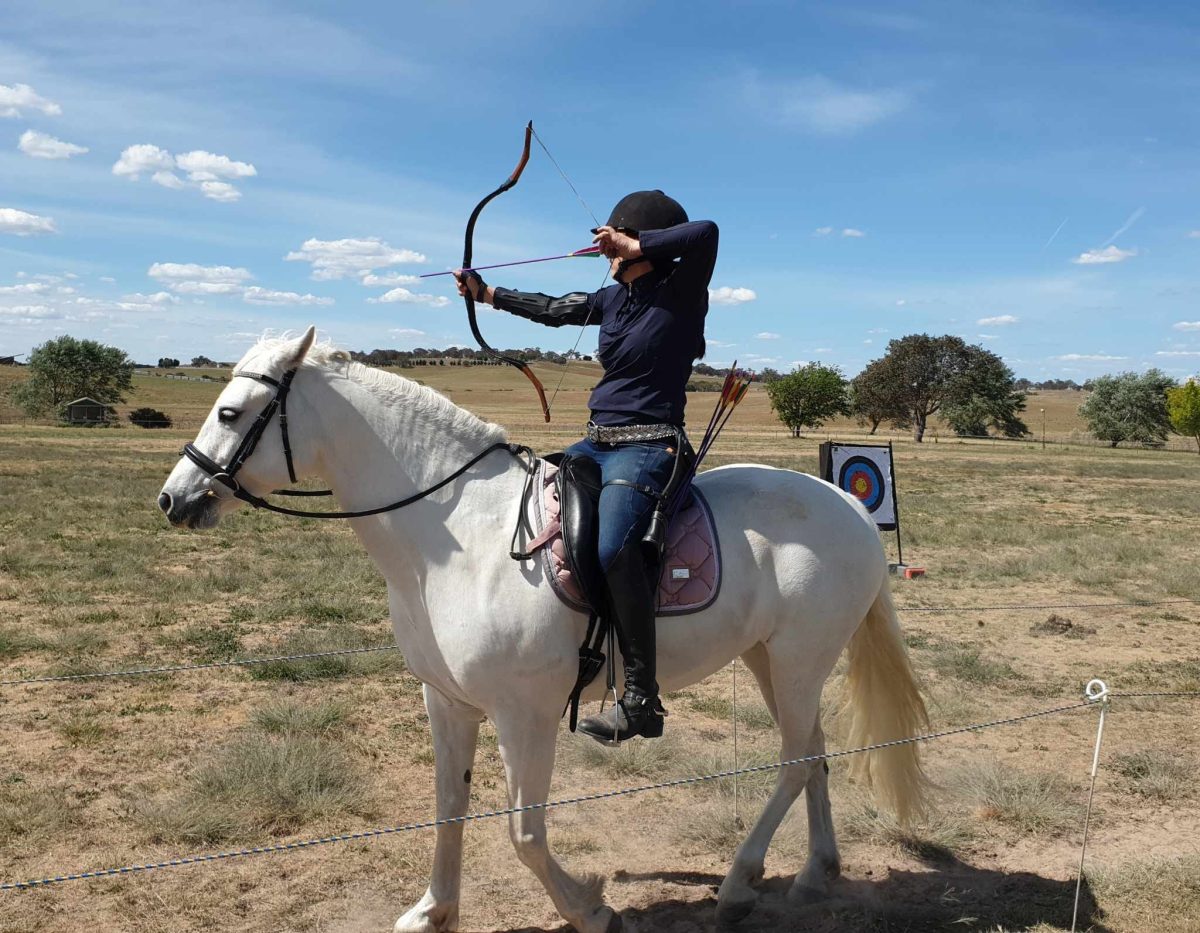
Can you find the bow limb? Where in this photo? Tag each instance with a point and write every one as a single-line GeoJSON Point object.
{"type": "Point", "coordinates": [468, 249]}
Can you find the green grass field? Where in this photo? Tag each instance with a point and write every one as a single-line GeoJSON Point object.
{"type": "Point", "coordinates": [100, 773]}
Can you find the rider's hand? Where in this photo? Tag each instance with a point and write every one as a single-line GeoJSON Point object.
{"type": "Point", "coordinates": [470, 283]}
{"type": "Point", "coordinates": [617, 245]}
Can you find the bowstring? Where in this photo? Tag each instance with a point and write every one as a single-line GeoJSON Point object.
{"type": "Point", "coordinates": [587, 320]}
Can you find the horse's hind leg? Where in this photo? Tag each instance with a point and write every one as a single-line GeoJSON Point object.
{"type": "Point", "coordinates": [455, 731]}
{"type": "Point", "coordinates": [824, 863]}
{"type": "Point", "coordinates": [795, 705]}
{"type": "Point", "coordinates": [527, 747]}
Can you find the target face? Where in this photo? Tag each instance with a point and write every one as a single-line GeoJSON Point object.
{"type": "Point", "coordinates": [863, 479]}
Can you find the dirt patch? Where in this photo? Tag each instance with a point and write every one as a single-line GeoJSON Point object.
{"type": "Point", "coordinates": [1061, 626]}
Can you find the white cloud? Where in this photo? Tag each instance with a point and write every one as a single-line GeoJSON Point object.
{"type": "Point", "coordinates": [28, 314]}
{"type": "Point", "coordinates": [40, 146]}
{"type": "Point", "coordinates": [851, 232]}
{"type": "Point", "coordinates": [20, 223]}
{"type": "Point", "coordinates": [207, 166]}
{"type": "Point", "coordinates": [25, 288]}
{"type": "Point", "coordinates": [1089, 358]}
{"type": "Point", "coordinates": [143, 158]}
{"type": "Point", "coordinates": [988, 336]}
{"type": "Point", "coordinates": [172, 272]}
{"type": "Point", "coordinates": [220, 191]}
{"type": "Point", "coordinates": [1187, 325]}
{"type": "Point", "coordinates": [22, 97]}
{"type": "Point", "coordinates": [822, 106]}
{"type": "Point", "coordinates": [725, 295]}
{"type": "Point", "coordinates": [1178, 353]}
{"type": "Point", "coordinates": [767, 335]}
{"type": "Point", "coordinates": [720, 344]}
{"type": "Point", "coordinates": [823, 350]}
{"type": "Point", "coordinates": [823, 231]}
{"type": "Point", "coordinates": [390, 279]}
{"type": "Point", "coordinates": [406, 332]}
{"type": "Point", "coordinates": [337, 259]}
{"type": "Point", "coordinates": [404, 296]}
{"type": "Point", "coordinates": [1194, 234]}
{"type": "Point", "coordinates": [267, 296]}
{"type": "Point", "coordinates": [204, 170]}
{"type": "Point", "coordinates": [168, 180]}
{"type": "Point", "coordinates": [999, 320]}
{"type": "Point", "coordinates": [1108, 254]}
{"type": "Point", "coordinates": [157, 298]}
{"type": "Point", "coordinates": [901, 302]}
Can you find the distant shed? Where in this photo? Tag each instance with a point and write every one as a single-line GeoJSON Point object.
{"type": "Point", "coordinates": [86, 411]}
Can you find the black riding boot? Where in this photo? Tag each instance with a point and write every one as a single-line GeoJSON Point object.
{"type": "Point", "coordinates": [631, 594]}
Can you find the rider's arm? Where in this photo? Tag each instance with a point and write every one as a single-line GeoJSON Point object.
{"type": "Point", "coordinates": [694, 244]}
{"type": "Point", "coordinates": [553, 312]}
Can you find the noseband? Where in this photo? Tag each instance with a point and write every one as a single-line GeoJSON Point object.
{"type": "Point", "coordinates": [225, 477]}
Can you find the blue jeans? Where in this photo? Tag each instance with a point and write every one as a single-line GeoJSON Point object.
{"type": "Point", "coordinates": [625, 511]}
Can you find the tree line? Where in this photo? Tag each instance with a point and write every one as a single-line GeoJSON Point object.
{"type": "Point", "coordinates": [919, 377]}
{"type": "Point", "coordinates": [976, 394]}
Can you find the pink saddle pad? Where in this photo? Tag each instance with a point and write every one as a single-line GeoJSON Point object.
{"type": "Point", "coordinates": [691, 576]}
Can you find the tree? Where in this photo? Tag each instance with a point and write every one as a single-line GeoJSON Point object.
{"type": "Point", "coordinates": [150, 418]}
{"type": "Point", "coordinates": [985, 398]}
{"type": "Point", "coordinates": [920, 376]}
{"type": "Point", "coordinates": [1129, 407]}
{"type": "Point", "coordinates": [1183, 406]}
{"type": "Point", "coordinates": [64, 369]}
{"type": "Point", "coordinates": [168, 362]}
{"type": "Point", "coordinates": [202, 361]}
{"type": "Point", "coordinates": [872, 396]}
{"type": "Point", "coordinates": [809, 396]}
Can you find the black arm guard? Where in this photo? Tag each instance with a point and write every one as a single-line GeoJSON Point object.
{"type": "Point", "coordinates": [553, 312]}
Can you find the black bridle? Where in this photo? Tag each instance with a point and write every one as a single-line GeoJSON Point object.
{"type": "Point", "coordinates": [225, 477]}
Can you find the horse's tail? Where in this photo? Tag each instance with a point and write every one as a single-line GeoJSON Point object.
{"type": "Point", "coordinates": [884, 704]}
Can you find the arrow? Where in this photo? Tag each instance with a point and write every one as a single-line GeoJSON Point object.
{"type": "Point", "coordinates": [586, 251]}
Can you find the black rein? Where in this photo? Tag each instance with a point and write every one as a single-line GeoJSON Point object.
{"type": "Point", "coordinates": [225, 475]}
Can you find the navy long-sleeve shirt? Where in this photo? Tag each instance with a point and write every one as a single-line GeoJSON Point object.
{"type": "Point", "coordinates": [650, 330]}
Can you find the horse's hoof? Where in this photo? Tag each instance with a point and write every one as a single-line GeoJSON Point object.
{"type": "Point", "coordinates": [735, 910]}
{"type": "Point", "coordinates": [802, 895]}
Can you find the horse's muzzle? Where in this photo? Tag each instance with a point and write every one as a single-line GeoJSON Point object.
{"type": "Point", "coordinates": [199, 510]}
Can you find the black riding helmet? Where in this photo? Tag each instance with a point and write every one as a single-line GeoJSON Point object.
{"type": "Point", "coordinates": [647, 210]}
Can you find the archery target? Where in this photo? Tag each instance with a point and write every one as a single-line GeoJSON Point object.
{"type": "Point", "coordinates": [866, 473]}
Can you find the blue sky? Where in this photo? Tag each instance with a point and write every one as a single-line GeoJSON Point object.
{"type": "Point", "coordinates": [1024, 175]}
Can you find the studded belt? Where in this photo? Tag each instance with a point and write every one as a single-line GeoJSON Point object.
{"type": "Point", "coordinates": [626, 433]}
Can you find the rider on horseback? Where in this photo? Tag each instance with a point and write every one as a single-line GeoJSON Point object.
{"type": "Point", "coordinates": [651, 330]}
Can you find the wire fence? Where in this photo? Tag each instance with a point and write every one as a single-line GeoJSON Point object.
{"type": "Point", "coordinates": [315, 655]}
{"type": "Point", "coordinates": [547, 805]}
{"type": "Point", "coordinates": [1092, 700]}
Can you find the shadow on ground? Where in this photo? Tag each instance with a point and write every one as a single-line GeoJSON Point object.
{"type": "Point", "coordinates": [954, 896]}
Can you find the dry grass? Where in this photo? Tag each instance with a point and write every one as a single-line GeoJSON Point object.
{"type": "Point", "coordinates": [939, 838]}
{"type": "Point", "coordinates": [269, 781]}
{"type": "Point", "coordinates": [1028, 803]}
{"type": "Point", "coordinates": [29, 814]}
{"type": "Point", "coordinates": [1157, 894]}
{"type": "Point", "coordinates": [1156, 775]}
{"type": "Point", "coordinates": [91, 578]}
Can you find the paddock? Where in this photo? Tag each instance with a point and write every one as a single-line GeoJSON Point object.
{"type": "Point", "coordinates": [117, 771]}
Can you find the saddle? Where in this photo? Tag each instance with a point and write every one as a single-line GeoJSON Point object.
{"type": "Point", "coordinates": [563, 519]}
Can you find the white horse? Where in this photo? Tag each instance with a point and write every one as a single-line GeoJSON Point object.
{"type": "Point", "coordinates": [804, 577]}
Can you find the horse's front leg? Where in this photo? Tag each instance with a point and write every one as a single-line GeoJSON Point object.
{"type": "Point", "coordinates": [455, 729]}
{"type": "Point", "coordinates": [527, 747]}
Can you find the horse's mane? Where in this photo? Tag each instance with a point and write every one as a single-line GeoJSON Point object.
{"type": "Point", "coordinates": [390, 388]}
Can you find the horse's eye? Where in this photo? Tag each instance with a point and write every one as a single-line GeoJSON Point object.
{"type": "Point", "coordinates": [228, 415]}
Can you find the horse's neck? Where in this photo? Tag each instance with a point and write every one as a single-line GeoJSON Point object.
{"type": "Point", "coordinates": [384, 442]}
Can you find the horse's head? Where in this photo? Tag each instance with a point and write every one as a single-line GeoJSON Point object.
{"type": "Point", "coordinates": [237, 448]}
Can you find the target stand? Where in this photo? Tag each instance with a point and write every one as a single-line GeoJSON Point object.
{"type": "Point", "coordinates": [867, 472]}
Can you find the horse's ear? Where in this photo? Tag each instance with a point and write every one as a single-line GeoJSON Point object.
{"type": "Point", "coordinates": [301, 347]}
